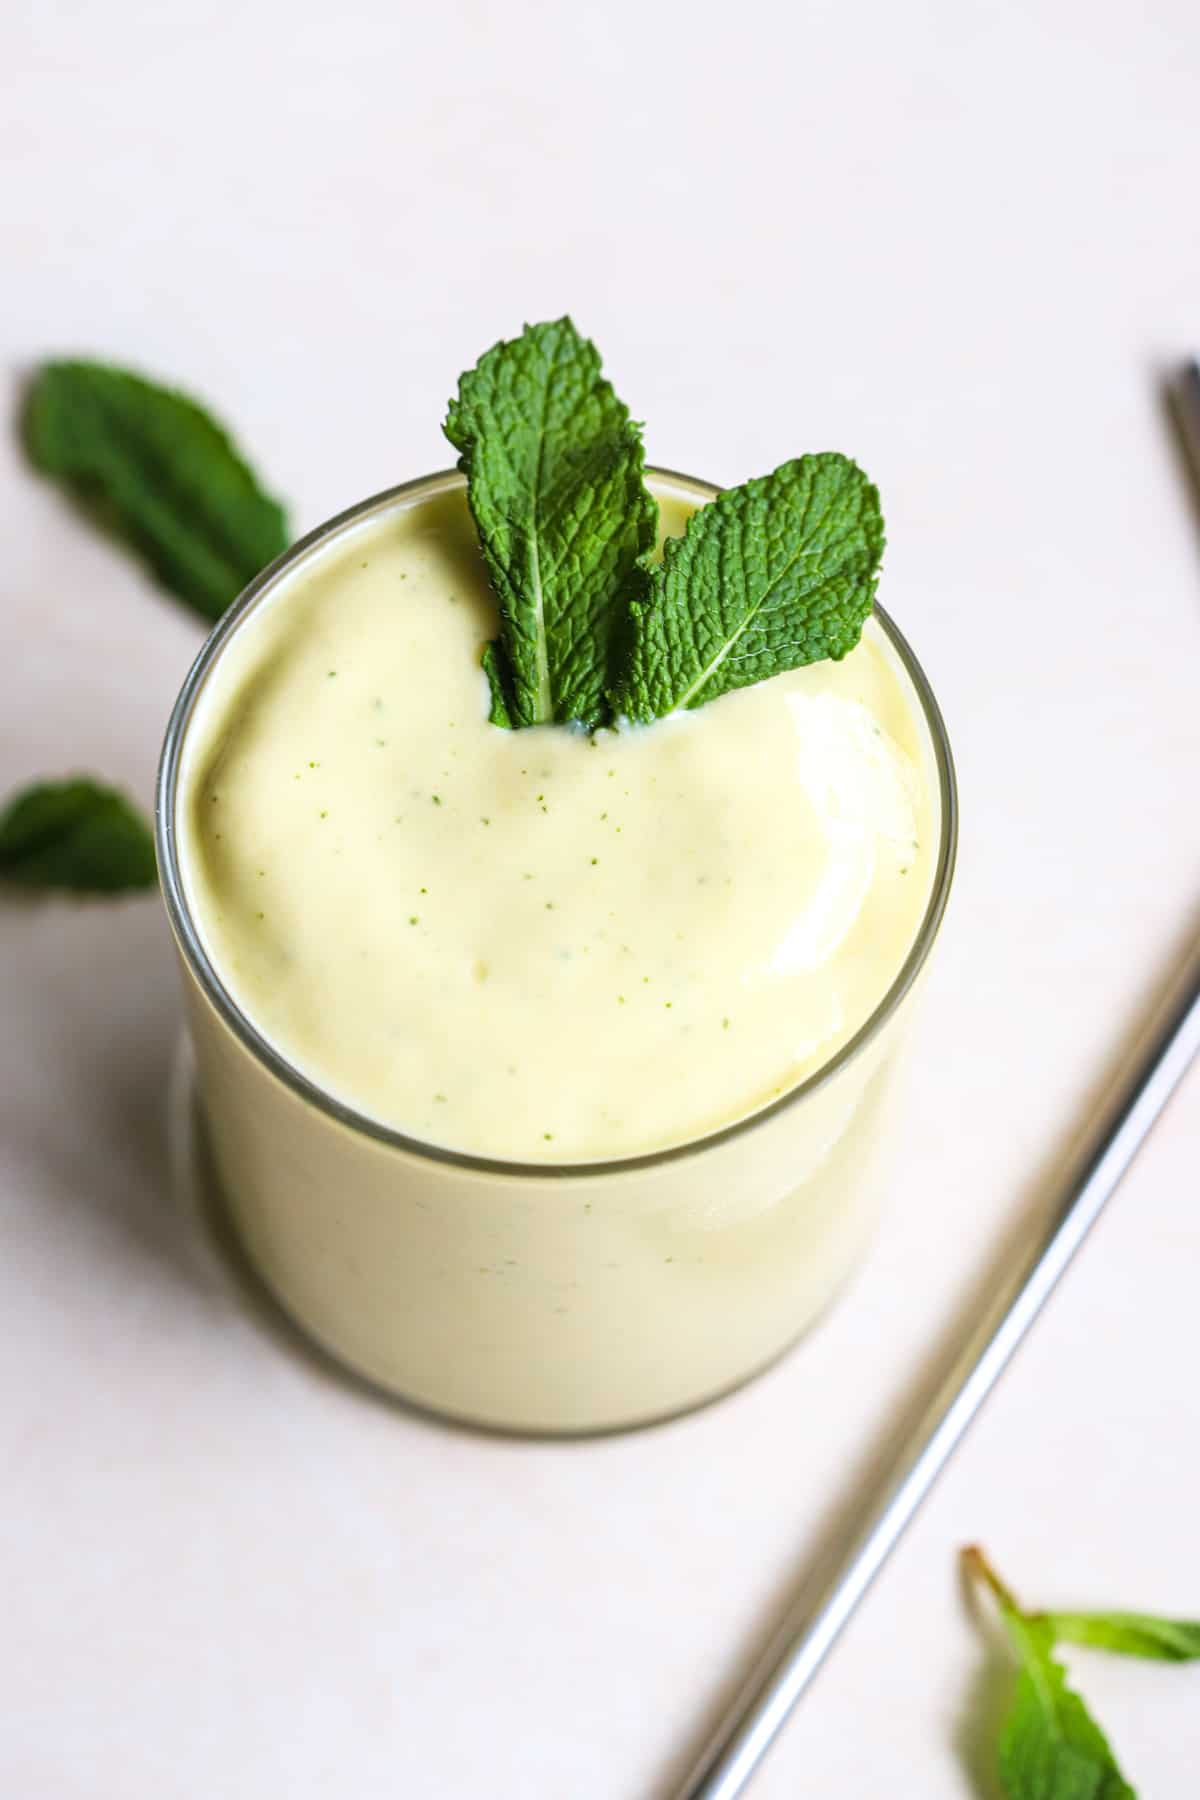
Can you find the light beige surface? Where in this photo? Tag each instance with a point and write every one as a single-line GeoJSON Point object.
{"type": "Point", "coordinates": [222, 1571]}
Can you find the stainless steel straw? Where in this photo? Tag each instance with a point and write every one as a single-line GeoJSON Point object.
{"type": "Point", "coordinates": [803, 1640]}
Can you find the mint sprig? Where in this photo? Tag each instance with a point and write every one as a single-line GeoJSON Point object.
{"type": "Point", "coordinates": [160, 472]}
{"type": "Point", "coordinates": [770, 575]}
{"type": "Point", "coordinates": [75, 835]}
{"type": "Point", "coordinates": [554, 481]}
{"type": "Point", "coordinates": [1051, 1748]}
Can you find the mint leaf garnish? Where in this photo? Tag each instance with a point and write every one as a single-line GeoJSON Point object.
{"type": "Point", "coordinates": [1050, 1747]}
{"type": "Point", "coordinates": [76, 835]}
{"type": "Point", "coordinates": [768, 576]}
{"type": "Point", "coordinates": [1128, 1634]}
{"type": "Point", "coordinates": [554, 481]}
{"type": "Point", "coordinates": [160, 472]}
{"type": "Point", "coordinates": [494, 667]}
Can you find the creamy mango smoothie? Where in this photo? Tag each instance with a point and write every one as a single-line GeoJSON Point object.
{"type": "Point", "coordinates": [541, 1068]}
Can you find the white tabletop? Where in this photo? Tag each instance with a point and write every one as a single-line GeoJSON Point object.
{"type": "Point", "coordinates": [956, 241]}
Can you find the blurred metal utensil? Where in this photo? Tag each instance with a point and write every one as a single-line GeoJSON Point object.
{"type": "Point", "coordinates": [803, 1640]}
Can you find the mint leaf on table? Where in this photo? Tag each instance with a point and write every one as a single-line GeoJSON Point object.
{"type": "Point", "coordinates": [768, 576]}
{"type": "Point", "coordinates": [75, 835]}
{"type": "Point", "coordinates": [160, 472]}
{"type": "Point", "coordinates": [1128, 1634]}
{"type": "Point", "coordinates": [1050, 1746]}
{"type": "Point", "coordinates": [554, 482]}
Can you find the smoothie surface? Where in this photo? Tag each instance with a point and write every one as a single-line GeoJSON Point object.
{"type": "Point", "coordinates": [539, 945]}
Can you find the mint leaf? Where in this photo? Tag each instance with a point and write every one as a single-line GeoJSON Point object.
{"type": "Point", "coordinates": [1128, 1634]}
{"type": "Point", "coordinates": [496, 670]}
{"type": "Point", "coordinates": [77, 835]}
{"type": "Point", "coordinates": [768, 576]}
{"type": "Point", "coordinates": [160, 473]}
{"type": "Point", "coordinates": [1050, 1746]}
{"type": "Point", "coordinates": [554, 481]}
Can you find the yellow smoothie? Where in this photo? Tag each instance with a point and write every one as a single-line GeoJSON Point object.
{"type": "Point", "coordinates": [543, 1073]}
{"type": "Point", "coordinates": [540, 945]}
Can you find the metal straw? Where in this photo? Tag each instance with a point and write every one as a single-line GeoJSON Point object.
{"type": "Point", "coordinates": [806, 1635]}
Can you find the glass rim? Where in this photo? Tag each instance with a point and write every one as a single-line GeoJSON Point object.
{"type": "Point", "coordinates": [200, 966]}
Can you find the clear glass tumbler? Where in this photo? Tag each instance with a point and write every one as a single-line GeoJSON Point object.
{"type": "Point", "coordinates": [531, 1298]}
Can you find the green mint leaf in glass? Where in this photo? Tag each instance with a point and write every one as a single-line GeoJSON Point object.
{"type": "Point", "coordinates": [1128, 1634]}
{"type": "Point", "coordinates": [494, 667]}
{"type": "Point", "coordinates": [157, 470]}
{"type": "Point", "coordinates": [554, 481]}
{"type": "Point", "coordinates": [768, 576]}
{"type": "Point", "coordinates": [1050, 1746]}
{"type": "Point", "coordinates": [76, 835]}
